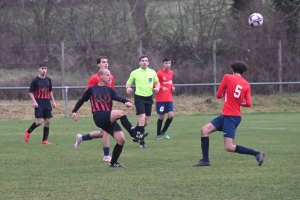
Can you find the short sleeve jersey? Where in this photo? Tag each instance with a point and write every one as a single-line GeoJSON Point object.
{"type": "Point", "coordinates": [94, 80]}
{"type": "Point", "coordinates": [41, 87]}
{"type": "Point", "coordinates": [236, 92]}
{"type": "Point", "coordinates": [143, 79]}
{"type": "Point", "coordinates": [166, 80]}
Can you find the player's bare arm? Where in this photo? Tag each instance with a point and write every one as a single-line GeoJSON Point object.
{"type": "Point", "coordinates": [128, 104]}
{"type": "Point", "coordinates": [35, 104]}
{"type": "Point", "coordinates": [74, 116]}
{"type": "Point", "coordinates": [157, 86]}
{"type": "Point", "coordinates": [129, 90]}
{"type": "Point", "coordinates": [52, 99]}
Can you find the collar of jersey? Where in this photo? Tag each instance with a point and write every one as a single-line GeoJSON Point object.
{"type": "Point", "coordinates": [143, 70]}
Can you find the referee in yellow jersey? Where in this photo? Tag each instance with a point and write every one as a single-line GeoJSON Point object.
{"type": "Point", "coordinates": [144, 79]}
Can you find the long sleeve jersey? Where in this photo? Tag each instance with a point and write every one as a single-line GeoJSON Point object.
{"type": "Point", "coordinates": [236, 93]}
{"type": "Point", "coordinates": [100, 97]}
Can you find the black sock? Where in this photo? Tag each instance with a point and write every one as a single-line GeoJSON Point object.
{"type": "Point", "coordinates": [141, 129]}
{"type": "Point", "coordinates": [127, 125]}
{"type": "Point", "coordinates": [142, 141]}
{"type": "Point", "coordinates": [205, 148]}
{"type": "Point", "coordinates": [32, 127]}
{"type": "Point", "coordinates": [244, 150]}
{"type": "Point", "coordinates": [136, 127]}
{"type": "Point", "coordinates": [45, 133]}
{"type": "Point", "coordinates": [159, 124]}
{"type": "Point", "coordinates": [116, 153]}
{"type": "Point", "coordinates": [167, 124]}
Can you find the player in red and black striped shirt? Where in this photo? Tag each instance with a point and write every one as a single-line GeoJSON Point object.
{"type": "Point", "coordinates": [236, 92]}
{"type": "Point", "coordinates": [40, 92]}
{"type": "Point", "coordinates": [102, 63]}
{"type": "Point", "coordinates": [101, 97]}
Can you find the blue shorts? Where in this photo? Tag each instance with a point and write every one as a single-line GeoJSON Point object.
{"type": "Point", "coordinates": [227, 124]}
{"type": "Point", "coordinates": [44, 110]}
{"type": "Point", "coordinates": [164, 107]}
{"type": "Point", "coordinates": [102, 120]}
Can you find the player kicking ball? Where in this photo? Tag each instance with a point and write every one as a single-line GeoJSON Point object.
{"type": "Point", "coordinates": [101, 97]}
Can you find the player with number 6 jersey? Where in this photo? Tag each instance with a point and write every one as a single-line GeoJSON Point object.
{"type": "Point", "coordinates": [164, 99]}
{"type": "Point", "coordinates": [236, 93]}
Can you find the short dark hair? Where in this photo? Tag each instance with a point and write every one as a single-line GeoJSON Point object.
{"type": "Point", "coordinates": [239, 67]}
{"type": "Point", "coordinates": [143, 56]}
{"type": "Point", "coordinates": [98, 60]}
{"type": "Point", "coordinates": [166, 60]}
{"type": "Point", "coordinates": [43, 64]}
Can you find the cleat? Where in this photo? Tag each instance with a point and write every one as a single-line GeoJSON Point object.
{"type": "Point", "coordinates": [141, 135]}
{"type": "Point", "coordinates": [260, 158]}
{"type": "Point", "coordinates": [133, 132]}
{"type": "Point", "coordinates": [117, 165]}
{"type": "Point", "coordinates": [158, 137]}
{"type": "Point", "coordinates": [143, 146]}
{"type": "Point", "coordinates": [78, 141]}
{"type": "Point", "coordinates": [166, 136]}
{"type": "Point", "coordinates": [26, 136]}
{"type": "Point", "coordinates": [46, 142]}
{"type": "Point", "coordinates": [135, 139]}
{"type": "Point", "coordinates": [106, 159]}
{"type": "Point", "coordinates": [201, 163]}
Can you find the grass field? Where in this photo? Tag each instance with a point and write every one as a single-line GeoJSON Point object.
{"type": "Point", "coordinates": [161, 171]}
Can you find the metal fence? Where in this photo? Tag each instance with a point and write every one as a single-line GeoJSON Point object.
{"type": "Point", "coordinates": [67, 88]}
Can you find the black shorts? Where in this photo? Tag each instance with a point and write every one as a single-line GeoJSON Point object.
{"type": "Point", "coordinates": [44, 110]}
{"type": "Point", "coordinates": [102, 120]}
{"type": "Point", "coordinates": [143, 105]}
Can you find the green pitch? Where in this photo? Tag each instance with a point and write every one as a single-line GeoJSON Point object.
{"type": "Point", "coordinates": [161, 171]}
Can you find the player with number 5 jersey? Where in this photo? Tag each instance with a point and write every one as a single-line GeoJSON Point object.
{"type": "Point", "coordinates": [236, 93]}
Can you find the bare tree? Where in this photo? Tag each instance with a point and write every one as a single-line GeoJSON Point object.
{"type": "Point", "coordinates": [138, 13]}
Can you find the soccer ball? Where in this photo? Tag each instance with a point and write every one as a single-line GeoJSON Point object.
{"type": "Point", "coordinates": [255, 19]}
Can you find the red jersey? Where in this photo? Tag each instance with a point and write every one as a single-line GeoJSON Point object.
{"type": "Point", "coordinates": [236, 92]}
{"type": "Point", "coordinates": [94, 80]}
{"type": "Point", "coordinates": [166, 80]}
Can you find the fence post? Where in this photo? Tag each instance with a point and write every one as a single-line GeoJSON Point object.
{"type": "Point", "coordinates": [62, 68]}
{"type": "Point", "coordinates": [215, 65]}
{"type": "Point", "coordinates": [280, 66]}
{"type": "Point", "coordinates": [66, 102]}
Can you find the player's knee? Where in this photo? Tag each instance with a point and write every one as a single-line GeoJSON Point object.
{"type": "Point", "coordinates": [204, 132]}
{"type": "Point", "coordinates": [171, 115]}
{"type": "Point", "coordinates": [39, 122]}
{"type": "Point", "coordinates": [121, 113]}
{"type": "Point", "coordinates": [47, 122]}
{"type": "Point", "coordinates": [121, 141]}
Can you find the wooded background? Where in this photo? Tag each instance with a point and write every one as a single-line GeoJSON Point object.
{"type": "Point", "coordinates": [182, 30]}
